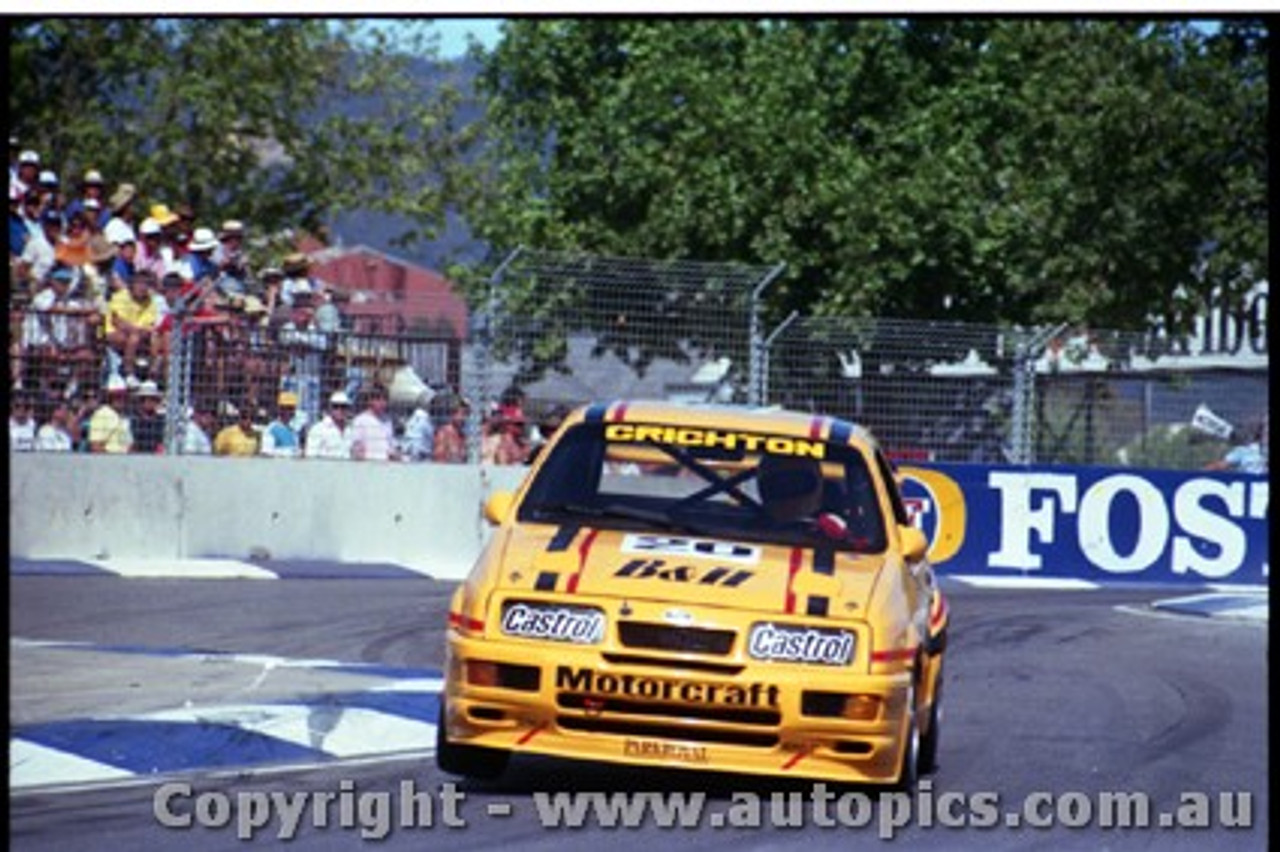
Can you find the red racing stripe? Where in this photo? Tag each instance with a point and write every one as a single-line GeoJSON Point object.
{"type": "Point", "coordinates": [796, 758]}
{"type": "Point", "coordinates": [797, 556]}
{"type": "Point", "coordinates": [939, 612]}
{"type": "Point", "coordinates": [890, 655]}
{"type": "Point", "coordinates": [815, 428]}
{"type": "Point", "coordinates": [620, 412]}
{"type": "Point", "coordinates": [531, 733]}
{"type": "Point", "coordinates": [583, 550]}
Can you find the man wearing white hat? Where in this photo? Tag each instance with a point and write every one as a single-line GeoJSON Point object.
{"type": "Point", "coordinates": [150, 255]}
{"type": "Point", "coordinates": [28, 170]}
{"type": "Point", "coordinates": [48, 186]}
{"type": "Point", "coordinates": [119, 227]}
{"type": "Point", "coordinates": [331, 437]}
{"type": "Point", "coordinates": [109, 430]}
{"type": "Point", "coordinates": [91, 189]}
{"type": "Point", "coordinates": [148, 425]}
{"type": "Point", "coordinates": [200, 255]}
{"type": "Point", "coordinates": [229, 258]}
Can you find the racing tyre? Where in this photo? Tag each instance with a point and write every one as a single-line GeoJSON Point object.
{"type": "Point", "coordinates": [909, 768]}
{"type": "Point", "coordinates": [929, 742]}
{"type": "Point", "coordinates": [467, 761]}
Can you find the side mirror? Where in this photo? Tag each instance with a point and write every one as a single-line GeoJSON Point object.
{"type": "Point", "coordinates": [914, 543]}
{"type": "Point", "coordinates": [498, 507]}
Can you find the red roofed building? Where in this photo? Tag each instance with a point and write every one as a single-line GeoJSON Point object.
{"type": "Point", "coordinates": [390, 296]}
{"type": "Point", "coordinates": [385, 296]}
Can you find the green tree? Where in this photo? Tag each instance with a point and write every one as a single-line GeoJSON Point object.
{"type": "Point", "coordinates": [277, 122]}
{"type": "Point", "coordinates": [993, 170]}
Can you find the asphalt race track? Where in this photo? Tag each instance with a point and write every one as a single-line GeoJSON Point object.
{"type": "Point", "coordinates": [1062, 692]}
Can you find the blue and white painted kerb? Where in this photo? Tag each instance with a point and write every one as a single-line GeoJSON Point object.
{"type": "Point", "coordinates": [398, 716]}
{"type": "Point", "coordinates": [1229, 606]}
{"type": "Point", "coordinates": [216, 569]}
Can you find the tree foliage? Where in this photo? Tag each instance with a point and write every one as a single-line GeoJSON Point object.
{"type": "Point", "coordinates": [993, 170]}
{"type": "Point", "coordinates": [278, 122]}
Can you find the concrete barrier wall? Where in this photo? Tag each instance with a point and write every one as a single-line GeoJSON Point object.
{"type": "Point", "coordinates": [426, 516]}
{"type": "Point", "coordinates": [1090, 523]}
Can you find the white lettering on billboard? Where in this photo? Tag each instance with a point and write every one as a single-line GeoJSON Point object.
{"type": "Point", "coordinates": [1018, 518]}
{"type": "Point", "coordinates": [1197, 520]}
{"type": "Point", "coordinates": [1197, 524]}
{"type": "Point", "coordinates": [1094, 527]}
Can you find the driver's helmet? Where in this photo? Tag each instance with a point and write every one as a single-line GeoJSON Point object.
{"type": "Point", "coordinates": [790, 488]}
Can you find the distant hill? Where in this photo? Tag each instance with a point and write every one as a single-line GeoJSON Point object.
{"type": "Point", "coordinates": [376, 230]}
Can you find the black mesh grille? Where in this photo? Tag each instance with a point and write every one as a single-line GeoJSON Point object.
{"type": "Point", "coordinates": [623, 707]}
{"type": "Point", "coordinates": [664, 637]}
{"type": "Point", "coordinates": [673, 664]}
{"type": "Point", "coordinates": [822, 703]}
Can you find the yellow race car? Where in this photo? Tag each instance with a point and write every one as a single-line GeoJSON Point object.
{"type": "Point", "coordinates": [705, 587]}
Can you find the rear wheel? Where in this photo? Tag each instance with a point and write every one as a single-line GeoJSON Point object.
{"type": "Point", "coordinates": [465, 760]}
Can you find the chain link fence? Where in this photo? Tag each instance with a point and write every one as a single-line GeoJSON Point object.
{"type": "Point", "coordinates": [568, 328]}
{"type": "Point", "coordinates": [928, 390]}
{"type": "Point", "coordinates": [231, 376]}
{"type": "Point", "coordinates": [558, 330]}
{"type": "Point", "coordinates": [957, 392]}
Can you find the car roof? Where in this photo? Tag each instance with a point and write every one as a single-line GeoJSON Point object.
{"type": "Point", "coordinates": [772, 419]}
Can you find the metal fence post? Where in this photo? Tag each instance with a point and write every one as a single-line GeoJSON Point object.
{"type": "Point", "coordinates": [756, 381]}
{"type": "Point", "coordinates": [174, 396]}
{"type": "Point", "coordinates": [1030, 345]}
{"type": "Point", "coordinates": [483, 332]}
{"type": "Point", "coordinates": [1022, 403]}
{"type": "Point", "coordinates": [768, 353]}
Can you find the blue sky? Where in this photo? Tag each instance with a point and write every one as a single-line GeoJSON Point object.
{"type": "Point", "coordinates": [454, 31]}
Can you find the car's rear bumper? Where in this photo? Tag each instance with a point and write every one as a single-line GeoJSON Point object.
{"type": "Point", "coordinates": [764, 719]}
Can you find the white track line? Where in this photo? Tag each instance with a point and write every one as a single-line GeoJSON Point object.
{"type": "Point", "coordinates": [341, 731]}
{"type": "Point", "coordinates": [426, 684]}
{"type": "Point", "coordinates": [345, 733]}
{"type": "Point", "coordinates": [1176, 615]}
{"type": "Point", "coordinates": [201, 569]}
{"type": "Point", "coordinates": [33, 764]}
{"type": "Point", "coordinates": [1022, 582]}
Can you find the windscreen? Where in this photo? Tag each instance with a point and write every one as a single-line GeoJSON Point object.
{"type": "Point", "coordinates": [720, 482]}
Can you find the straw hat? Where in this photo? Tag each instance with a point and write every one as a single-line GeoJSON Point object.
{"type": "Point", "coordinates": [124, 194]}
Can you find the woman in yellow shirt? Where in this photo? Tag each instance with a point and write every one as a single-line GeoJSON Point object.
{"type": "Point", "coordinates": [239, 438]}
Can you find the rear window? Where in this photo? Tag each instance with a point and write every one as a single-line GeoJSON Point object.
{"type": "Point", "coordinates": [721, 482]}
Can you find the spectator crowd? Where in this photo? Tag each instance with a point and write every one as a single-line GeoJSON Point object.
{"type": "Point", "coordinates": [103, 285]}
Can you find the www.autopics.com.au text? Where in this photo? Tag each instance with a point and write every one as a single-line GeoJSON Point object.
{"type": "Point", "coordinates": [376, 813]}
